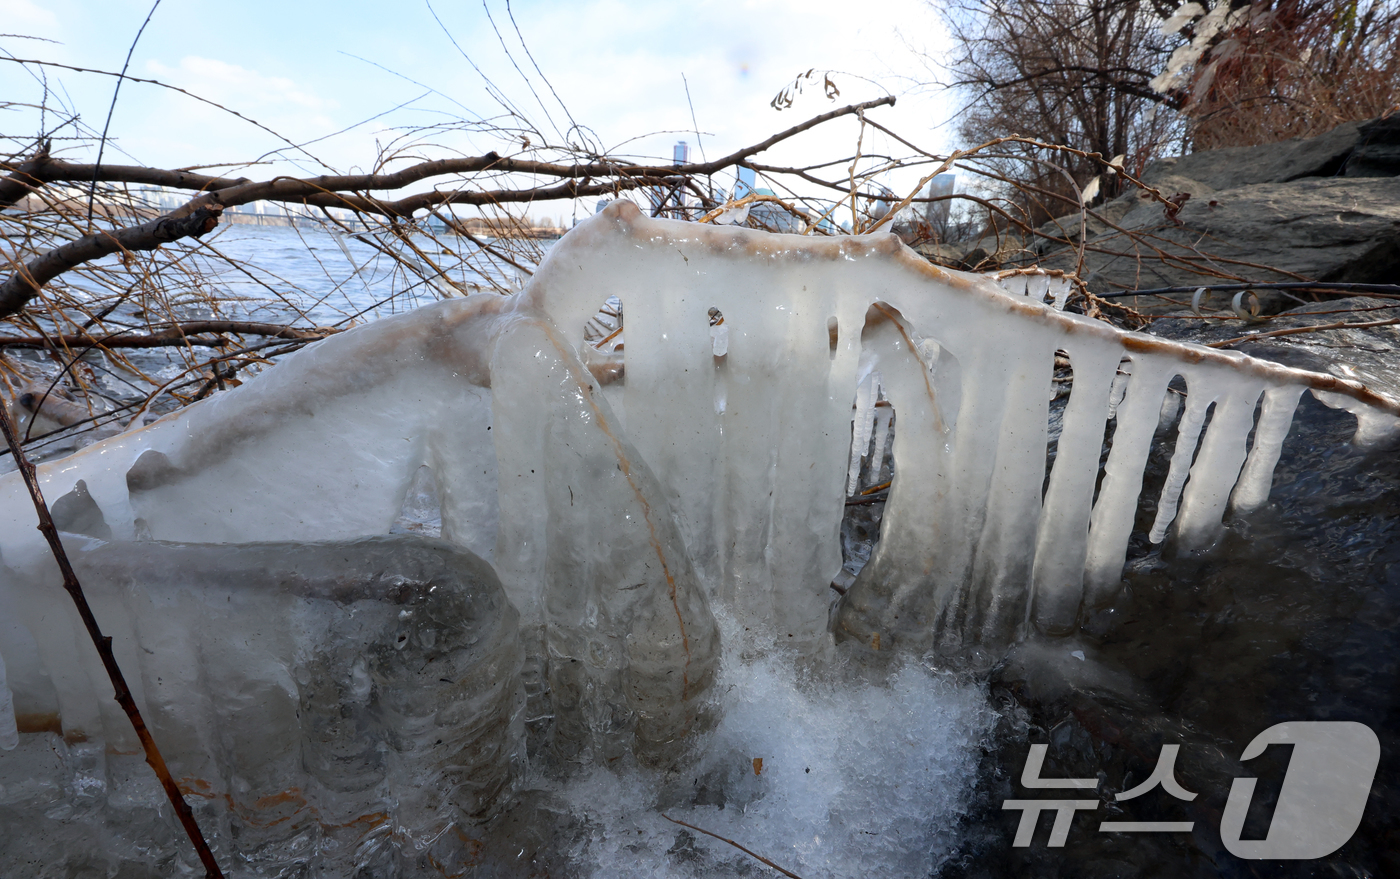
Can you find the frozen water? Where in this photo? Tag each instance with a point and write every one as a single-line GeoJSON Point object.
{"type": "Point", "coordinates": [829, 772]}
{"type": "Point", "coordinates": [310, 699]}
{"type": "Point", "coordinates": [619, 493]}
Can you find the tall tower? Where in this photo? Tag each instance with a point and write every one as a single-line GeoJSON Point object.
{"type": "Point", "coordinates": [936, 213]}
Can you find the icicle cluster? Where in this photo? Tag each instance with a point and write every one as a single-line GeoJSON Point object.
{"type": "Point", "coordinates": [1036, 285]}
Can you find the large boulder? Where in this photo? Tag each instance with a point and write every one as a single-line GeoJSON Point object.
{"type": "Point", "coordinates": [1353, 149]}
{"type": "Point", "coordinates": [1325, 209]}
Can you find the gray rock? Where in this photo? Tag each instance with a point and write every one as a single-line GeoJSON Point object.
{"type": "Point", "coordinates": [1325, 209]}
{"type": "Point", "coordinates": [1339, 229]}
{"type": "Point", "coordinates": [1321, 156]}
{"type": "Point", "coordinates": [940, 253]}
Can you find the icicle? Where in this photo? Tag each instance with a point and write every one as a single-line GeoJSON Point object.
{"type": "Point", "coordinates": [1187, 435]}
{"type": "Point", "coordinates": [862, 426]}
{"type": "Point", "coordinates": [883, 416]}
{"type": "Point", "coordinates": [9, 732]}
{"type": "Point", "coordinates": [1037, 286]}
{"type": "Point", "coordinates": [1218, 464]}
{"type": "Point", "coordinates": [1274, 421]}
{"type": "Point", "coordinates": [1120, 387]}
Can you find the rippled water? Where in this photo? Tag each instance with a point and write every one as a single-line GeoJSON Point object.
{"type": "Point", "coordinates": [317, 264]}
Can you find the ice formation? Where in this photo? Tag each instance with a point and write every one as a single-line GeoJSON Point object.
{"type": "Point", "coordinates": [618, 492]}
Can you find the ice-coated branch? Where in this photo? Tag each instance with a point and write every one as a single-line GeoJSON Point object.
{"type": "Point", "coordinates": [103, 644]}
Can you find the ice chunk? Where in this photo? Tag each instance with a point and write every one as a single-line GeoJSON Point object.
{"type": "Point", "coordinates": [311, 695]}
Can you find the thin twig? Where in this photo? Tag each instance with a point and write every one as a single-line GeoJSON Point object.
{"type": "Point", "coordinates": [753, 854]}
{"type": "Point", "coordinates": [1293, 331]}
{"type": "Point", "coordinates": [116, 90]}
{"type": "Point", "coordinates": [103, 644]}
{"type": "Point", "coordinates": [1384, 291]}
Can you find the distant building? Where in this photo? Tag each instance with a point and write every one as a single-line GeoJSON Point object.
{"type": "Point", "coordinates": [774, 217]}
{"type": "Point", "coordinates": [936, 213]}
{"type": "Point", "coordinates": [670, 201]}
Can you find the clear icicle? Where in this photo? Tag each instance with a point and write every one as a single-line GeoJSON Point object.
{"type": "Point", "coordinates": [862, 427]}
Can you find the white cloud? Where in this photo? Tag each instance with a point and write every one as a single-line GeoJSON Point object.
{"type": "Point", "coordinates": [237, 86]}
{"type": "Point", "coordinates": [23, 17]}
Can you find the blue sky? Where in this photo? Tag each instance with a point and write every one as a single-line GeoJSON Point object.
{"type": "Point", "coordinates": [310, 69]}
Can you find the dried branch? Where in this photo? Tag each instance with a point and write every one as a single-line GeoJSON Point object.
{"type": "Point", "coordinates": [1293, 331]}
{"type": "Point", "coordinates": [103, 644]}
{"type": "Point", "coordinates": [24, 285]}
{"type": "Point", "coordinates": [1379, 291]}
{"type": "Point", "coordinates": [201, 214]}
{"type": "Point", "coordinates": [753, 854]}
{"type": "Point", "coordinates": [180, 335]}
{"type": "Point", "coordinates": [317, 190]}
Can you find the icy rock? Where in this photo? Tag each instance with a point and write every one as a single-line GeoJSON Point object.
{"type": "Point", "coordinates": [309, 697]}
{"type": "Point", "coordinates": [721, 476]}
{"type": "Point", "coordinates": [969, 550]}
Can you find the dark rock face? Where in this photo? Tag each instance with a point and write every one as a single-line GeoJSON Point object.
{"type": "Point", "coordinates": [1377, 152]}
{"type": "Point", "coordinates": [1356, 149]}
{"type": "Point", "coordinates": [1326, 209]}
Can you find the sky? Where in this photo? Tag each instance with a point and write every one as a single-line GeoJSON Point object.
{"type": "Point", "coordinates": [355, 77]}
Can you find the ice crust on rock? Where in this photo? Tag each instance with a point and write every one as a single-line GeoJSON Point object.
{"type": "Point", "coordinates": [619, 493]}
{"type": "Point", "coordinates": [970, 549]}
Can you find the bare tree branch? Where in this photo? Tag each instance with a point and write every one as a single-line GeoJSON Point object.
{"type": "Point", "coordinates": [201, 214]}
{"type": "Point", "coordinates": [183, 334]}
{"type": "Point", "coordinates": [25, 284]}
